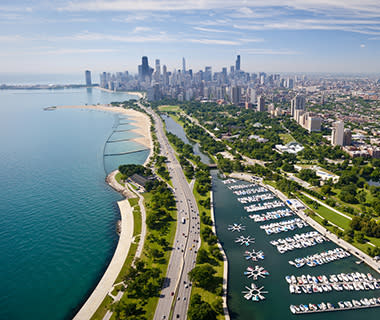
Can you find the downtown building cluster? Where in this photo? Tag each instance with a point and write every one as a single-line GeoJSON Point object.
{"type": "Point", "coordinates": [230, 85]}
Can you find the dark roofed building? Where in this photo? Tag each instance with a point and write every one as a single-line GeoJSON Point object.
{"type": "Point", "coordinates": [139, 179]}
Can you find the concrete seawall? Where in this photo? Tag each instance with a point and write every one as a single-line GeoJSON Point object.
{"type": "Point", "coordinates": [113, 270]}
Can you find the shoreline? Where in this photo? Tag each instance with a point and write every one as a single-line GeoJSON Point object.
{"type": "Point", "coordinates": [139, 119]}
{"type": "Point", "coordinates": [225, 261]}
{"type": "Point", "coordinates": [141, 95]}
{"type": "Point", "coordinates": [110, 275]}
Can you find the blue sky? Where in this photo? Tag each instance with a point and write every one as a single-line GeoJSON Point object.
{"type": "Point", "coordinates": [55, 36]}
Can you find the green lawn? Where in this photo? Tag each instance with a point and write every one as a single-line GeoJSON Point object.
{"type": "Point", "coordinates": [102, 310]}
{"type": "Point", "coordinates": [206, 295]}
{"type": "Point", "coordinates": [286, 138]}
{"type": "Point", "coordinates": [149, 306]}
{"type": "Point", "coordinates": [175, 117]}
{"type": "Point", "coordinates": [340, 221]}
{"type": "Point", "coordinates": [329, 214]}
{"type": "Point", "coordinates": [167, 108]}
{"type": "Point", "coordinates": [118, 178]}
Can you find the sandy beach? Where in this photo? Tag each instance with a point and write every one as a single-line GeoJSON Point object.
{"type": "Point", "coordinates": [140, 120]}
{"type": "Point", "coordinates": [141, 95]}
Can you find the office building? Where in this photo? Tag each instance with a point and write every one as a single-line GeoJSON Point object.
{"type": "Point", "coordinates": [337, 134]}
{"type": "Point", "coordinates": [290, 83]}
{"type": "Point", "coordinates": [237, 64]}
{"type": "Point", "coordinates": [260, 103]}
{"type": "Point", "coordinates": [183, 65]}
{"type": "Point", "coordinates": [146, 71]}
{"type": "Point", "coordinates": [88, 78]}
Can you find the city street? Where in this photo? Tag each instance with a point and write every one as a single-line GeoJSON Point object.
{"type": "Point", "coordinates": [177, 287]}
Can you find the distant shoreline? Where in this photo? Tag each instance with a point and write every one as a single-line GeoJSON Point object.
{"type": "Point", "coordinates": [141, 95]}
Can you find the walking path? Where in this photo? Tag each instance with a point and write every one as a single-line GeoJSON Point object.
{"type": "Point", "coordinates": [325, 205]}
{"type": "Point", "coordinates": [113, 270]}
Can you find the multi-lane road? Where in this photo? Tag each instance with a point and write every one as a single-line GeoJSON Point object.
{"type": "Point", "coordinates": [176, 290]}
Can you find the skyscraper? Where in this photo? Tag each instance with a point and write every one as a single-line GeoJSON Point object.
{"type": "Point", "coordinates": [87, 74]}
{"type": "Point", "coordinates": [183, 65]}
{"type": "Point", "coordinates": [337, 134]}
{"type": "Point", "coordinates": [237, 65]}
{"type": "Point", "coordinates": [297, 103]}
{"type": "Point", "coordinates": [157, 72]}
{"type": "Point", "coordinates": [146, 71]}
{"type": "Point", "coordinates": [260, 103]}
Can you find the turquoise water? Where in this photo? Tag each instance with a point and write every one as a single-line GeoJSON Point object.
{"type": "Point", "coordinates": [57, 227]}
{"type": "Point", "coordinates": [276, 306]}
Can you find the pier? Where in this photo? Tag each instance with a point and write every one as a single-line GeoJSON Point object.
{"type": "Point", "coordinates": [120, 140]}
{"type": "Point", "coordinates": [126, 130]}
{"type": "Point", "coordinates": [375, 303]}
{"type": "Point", "coordinates": [122, 153]}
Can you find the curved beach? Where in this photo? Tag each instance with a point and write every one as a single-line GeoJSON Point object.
{"type": "Point", "coordinates": [143, 123]}
{"type": "Point", "coordinates": [140, 120]}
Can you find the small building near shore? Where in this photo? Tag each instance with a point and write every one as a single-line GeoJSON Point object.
{"type": "Point", "coordinates": [139, 179]}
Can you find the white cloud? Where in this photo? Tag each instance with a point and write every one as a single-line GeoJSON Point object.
{"type": "Point", "coordinates": [75, 51]}
{"type": "Point", "coordinates": [215, 41]}
{"type": "Point", "coordinates": [241, 6]}
{"type": "Point", "coordinates": [362, 45]}
{"type": "Point", "coordinates": [269, 52]}
{"type": "Point", "coordinates": [141, 29]}
{"type": "Point", "coordinates": [211, 30]}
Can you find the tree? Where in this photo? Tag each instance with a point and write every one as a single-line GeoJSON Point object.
{"type": "Point", "coordinates": [200, 310]}
{"type": "Point", "coordinates": [203, 276]}
{"type": "Point", "coordinates": [326, 189]}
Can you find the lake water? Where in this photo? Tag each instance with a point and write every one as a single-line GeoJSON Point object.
{"type": "Point", "coordinates": [276, 305]}
{"type": "Point", "coordinates": [58, 216]}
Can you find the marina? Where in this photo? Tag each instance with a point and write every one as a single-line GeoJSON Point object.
{"type": "Point", "coordinates": [264, 206]}
{"type": "Point", "coordinates": [329, 259]}
{"type": "Point", "coordinates": [274, 215]}
{"type": "Point", "coordinates": [318, 284]}
{"type": "Point", "coordinates": [254, 255]}
{"type": "Point", "coordinates": [229, 211]}
{"type": "Point", "coordinates": [341, 306]}
{"type": "Point", "coordinates": [283, 226]}
{"type": "Point", "coordinates": [320, 258]}
{"type": "Point", "coordinates": [298, 241]}
{"type": "Point", "coordinates": [255, 272]}
{"type": "Point", "coordinates": [236, 227]}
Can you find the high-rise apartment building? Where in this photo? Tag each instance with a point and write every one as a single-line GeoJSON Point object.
{"type": "Point", "coordinates": [237, 64]}
{"type": "Point", "coordinates": [337, 134]}
{"type": "Point", "coordinates": [260, 103]}
{"type": "Point", "coordinates": [87, 74]}
{"type": "Point", "coordinates": [297, 103]}
{"type": "Point", "coordinates": [347, 137]}
{"type": "Point", "coordinates": [235, 94]}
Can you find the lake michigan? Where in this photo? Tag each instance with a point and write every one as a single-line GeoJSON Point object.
{"type": "Point", "coordinates": [58, 216]}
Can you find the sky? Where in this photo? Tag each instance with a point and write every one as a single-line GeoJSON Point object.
{"type": "Point", "coordinates": [54, 36]}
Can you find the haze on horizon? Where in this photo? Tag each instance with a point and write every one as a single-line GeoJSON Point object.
{"type": "Point", "coordinates": [282, 36]}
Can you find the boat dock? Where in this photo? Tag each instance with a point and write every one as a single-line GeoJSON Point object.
{"type": "Point", "coordinates": [342, 306]}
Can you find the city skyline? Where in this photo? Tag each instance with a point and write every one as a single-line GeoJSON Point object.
{"type": "Point", "coordinates": [286, 36]}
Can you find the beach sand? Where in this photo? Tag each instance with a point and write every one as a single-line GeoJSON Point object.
{"type": "Point", "coordinates": [141, 95]}
{"type": "Point", "coordinates": [140, 120]}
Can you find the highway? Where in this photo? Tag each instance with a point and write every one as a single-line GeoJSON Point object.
{"type": "Point", "coordinates": [177, 288]}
